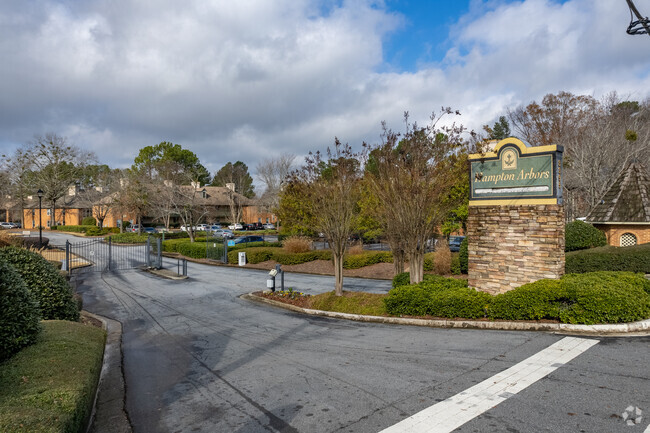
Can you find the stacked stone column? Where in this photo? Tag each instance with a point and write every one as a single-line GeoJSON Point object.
{"type": "Point", "coordinates": [513, 245]}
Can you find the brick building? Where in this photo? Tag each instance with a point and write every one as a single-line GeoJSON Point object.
{"type": "Point", "coordinates": [624, 211]}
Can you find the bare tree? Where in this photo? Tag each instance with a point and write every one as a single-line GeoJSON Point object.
{"type": "Point", "coordinates": [330, 188]}
{"type": "Point", "coordinates": [272, 173]}
{"type": "Point", "coordinates": [57, 165]}
{"type": "Point", "coordinates": [412, 178]}
{"type": "Point", "coordinates": [187, 202]}
{"type": "Point", "coordinates": [134, 196]}
{"type": "Point", "coordinates": [20, 180]}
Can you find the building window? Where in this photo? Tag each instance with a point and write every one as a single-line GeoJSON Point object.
{"type": "Point", "coordinates": [49, 212]}
{"type": "Point", "coordinates": [628, 240]}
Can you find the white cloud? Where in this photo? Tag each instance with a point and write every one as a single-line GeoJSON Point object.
{"type": "Point", "coordinates": [242, 80]}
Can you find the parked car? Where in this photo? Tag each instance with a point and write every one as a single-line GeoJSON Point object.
{"type": "Point", "coordinates": [184, 228]}
{"type": "Point", "coordinates": [269, 226]}
{"type": "Point", "coordinates": [248, 239]}
{"type": "Point", "coordinates": [201, 227]}
{"type": "Point", "coordinates": [5, 225]}
{"type": "Point", "coordinates": [162, 229]}
{"type": "Point", "coordinates": [149, 230]}
{"type": "Point", "coordinates": [454, 243]}
{"type": "Point", "coordinates": [236, 226]}
{"type": "Point", "coordinates": [133, 228]}
{"type": "Point", "coordinates": [17, 225]}
{"type": "Point", "coordinates": [223, 233]}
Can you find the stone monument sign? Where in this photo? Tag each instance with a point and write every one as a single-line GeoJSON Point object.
{"type": "Point", "coordinates": [516, 216]}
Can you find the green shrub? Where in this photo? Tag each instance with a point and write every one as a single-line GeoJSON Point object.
{"type": "Point", "coordinates": [20, 318]}
{"type": "Point", "coordinates": [89, 221]}
{"type": "Point", "coordinates": [580, 235]}
{"type": "Point", "coordinates": [96, 231]}
{"type": "Point", "coordinates": [542, 299]}
{"type": "Point", "coordinates": [609, 258]}
{"type": "Point", "coordinates": [129, 238]}
{"type": "Point", "coordinates": [439, 297]}
{"type": "Point", "coordinates": [356, 261]}
{"type": "Point", "coordinates": [428, 261]}
{"type": "Point", "coordinates": [463, 255]}
{"type": "Point", "coordinates": [73, 229]}
{"type": "Point", "coordinates": [254, 245]}
{"type": "Point", "coordinates": [597, 297]}
{"type": "Point", "coordinates": [262, 254]}
{"type": "Point", "coordinates": [455, 264]}
{"type": "Point", "coordinates": [48, 287]}
{"type": "Point", "coordinates": [195, 250]}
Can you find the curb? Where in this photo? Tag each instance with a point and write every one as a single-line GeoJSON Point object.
{"type": "Point", "coordinates": [108, 413]}
{"type": "Point", "coordinates": [603, 329]}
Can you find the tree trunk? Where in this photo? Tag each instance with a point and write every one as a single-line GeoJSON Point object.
{"type": "Point", "coordinates": [398, 261]}
{"type": "Point", "coordinates": [139, 224]}
{"type": "Point", "coordinates": [338, 273]}
{"type": "Point", "coordinates": [416, 260]}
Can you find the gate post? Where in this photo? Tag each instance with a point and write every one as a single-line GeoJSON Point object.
{"type": "Point", "coordinates": [67, 257]}
{"type": "Point", "coordinates": [159, 257]}
{"type": "Point", "coordinates": [148, 252]}
{"type": "Point", "coordinates": [109, 253]}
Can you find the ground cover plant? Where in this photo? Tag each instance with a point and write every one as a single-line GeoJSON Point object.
{"type": "Point", "coordinates": [20, 318]}
{"type": "Point", "coordinates": [49, 288]}
{"type": "Point", "coordinates": [50, 385]}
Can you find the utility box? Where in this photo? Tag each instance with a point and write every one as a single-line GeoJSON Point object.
{"type": "Point", "coordinates": [242, 258]}
{"type": "Point", "coordinates": [270, 283]}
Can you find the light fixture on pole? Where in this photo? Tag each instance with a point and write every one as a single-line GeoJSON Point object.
{"type": "Point", "coordinates": [40, 226]}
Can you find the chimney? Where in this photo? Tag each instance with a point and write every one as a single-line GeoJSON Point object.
{"type": "Point", "coordinates": [168, 183]}
{"type": "Point", "coordinates": [231, 186]}
{"type": "Point", "coordinates": [72, 190]}
{"type": "Point", "coordinates": [196, 185]}
{"type": "Point", "coordinates": [99, 188]}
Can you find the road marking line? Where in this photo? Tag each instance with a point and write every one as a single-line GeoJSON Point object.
{"type": "Point", "coordinates": [450, 414]}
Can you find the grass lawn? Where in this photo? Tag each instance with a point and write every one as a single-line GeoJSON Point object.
{"type": "Point", "coordinates": [50, 386]}
{"type": "Point", "coordinates": [370, 304]}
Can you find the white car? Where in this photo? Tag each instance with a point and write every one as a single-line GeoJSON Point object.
{"type": "Point", "coordinates": [236, 227]}
{"type": "Point", "coordinates": [5, 225]}
{"type": "Point", "coordinates": [269, 226]}
{"type": "Point", "coordinates": [222, 233]}
{"type": "Point", "coordinates": [201, 227]}
{"type": "Point", "coordinates": [184, 228]}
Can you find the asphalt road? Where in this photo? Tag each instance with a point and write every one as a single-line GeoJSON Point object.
{"type": "Point", "coordinates": [197, 358]}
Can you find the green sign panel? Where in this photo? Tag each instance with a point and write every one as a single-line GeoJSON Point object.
{"type": "Point", "coordinates": [516, 172]}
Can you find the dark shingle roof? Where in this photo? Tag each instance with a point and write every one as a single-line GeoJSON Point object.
{"type": "Point", "coordinates": [627, 200]}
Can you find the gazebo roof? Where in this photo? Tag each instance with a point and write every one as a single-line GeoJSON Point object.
{"type": "Point", "coordinates": [627, 200]}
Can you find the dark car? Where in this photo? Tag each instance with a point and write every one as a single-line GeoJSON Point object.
{"type": "Point", "coordinates": [454, 243]}
{"type": "Point", "coordinates": [248, 239]}
{"type": "Point", "coordinates": [149, 230]}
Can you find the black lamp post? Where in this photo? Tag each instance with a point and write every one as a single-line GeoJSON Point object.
{"type": "Point", "coordinates": [40, 226]}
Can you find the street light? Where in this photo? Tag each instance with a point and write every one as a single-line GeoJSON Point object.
{"type": "Point", "coordinates": [40, 226]}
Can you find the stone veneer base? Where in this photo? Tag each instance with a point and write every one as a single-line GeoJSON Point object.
{"type": "Point", "coordinates": [513, 245]}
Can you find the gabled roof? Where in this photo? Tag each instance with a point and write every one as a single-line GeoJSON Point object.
{"type": "Point", "coordinates": [627, 200]}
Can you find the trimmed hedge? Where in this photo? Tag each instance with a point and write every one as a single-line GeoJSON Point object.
{"type": "Point", "coordinates": [129, 238]}
{"type": "Point", "coordinates": [73, 229]}
{"type": "Point", "coordinates": [356, 261]}
{"type": "Point", "coordinates": [597, 297]}
{"type": "Point", "coordinates": [20, 318]}
{"type": "Point", "coordinates": [89, 221]}
{"type": "Point", "coordinates": [580, 235]}
{"type": "Point", "coordinates": [609, 258]}
{"type": "Point", "coordinates": [262, 254]}
{"type": "Point", "coordinates": [46, 284]}
{"type": "Point", "coordinates": [437, 296]}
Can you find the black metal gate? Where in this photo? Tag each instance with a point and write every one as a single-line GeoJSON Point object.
{"type": "Point", "coordinates": [98, 255]}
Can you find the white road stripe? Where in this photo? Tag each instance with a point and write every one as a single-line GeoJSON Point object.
{"type": "Point", "coordinates": [450, 414]}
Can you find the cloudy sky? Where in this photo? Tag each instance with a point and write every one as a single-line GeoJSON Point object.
{"type": "Point", "coordinates": [248, 79]}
